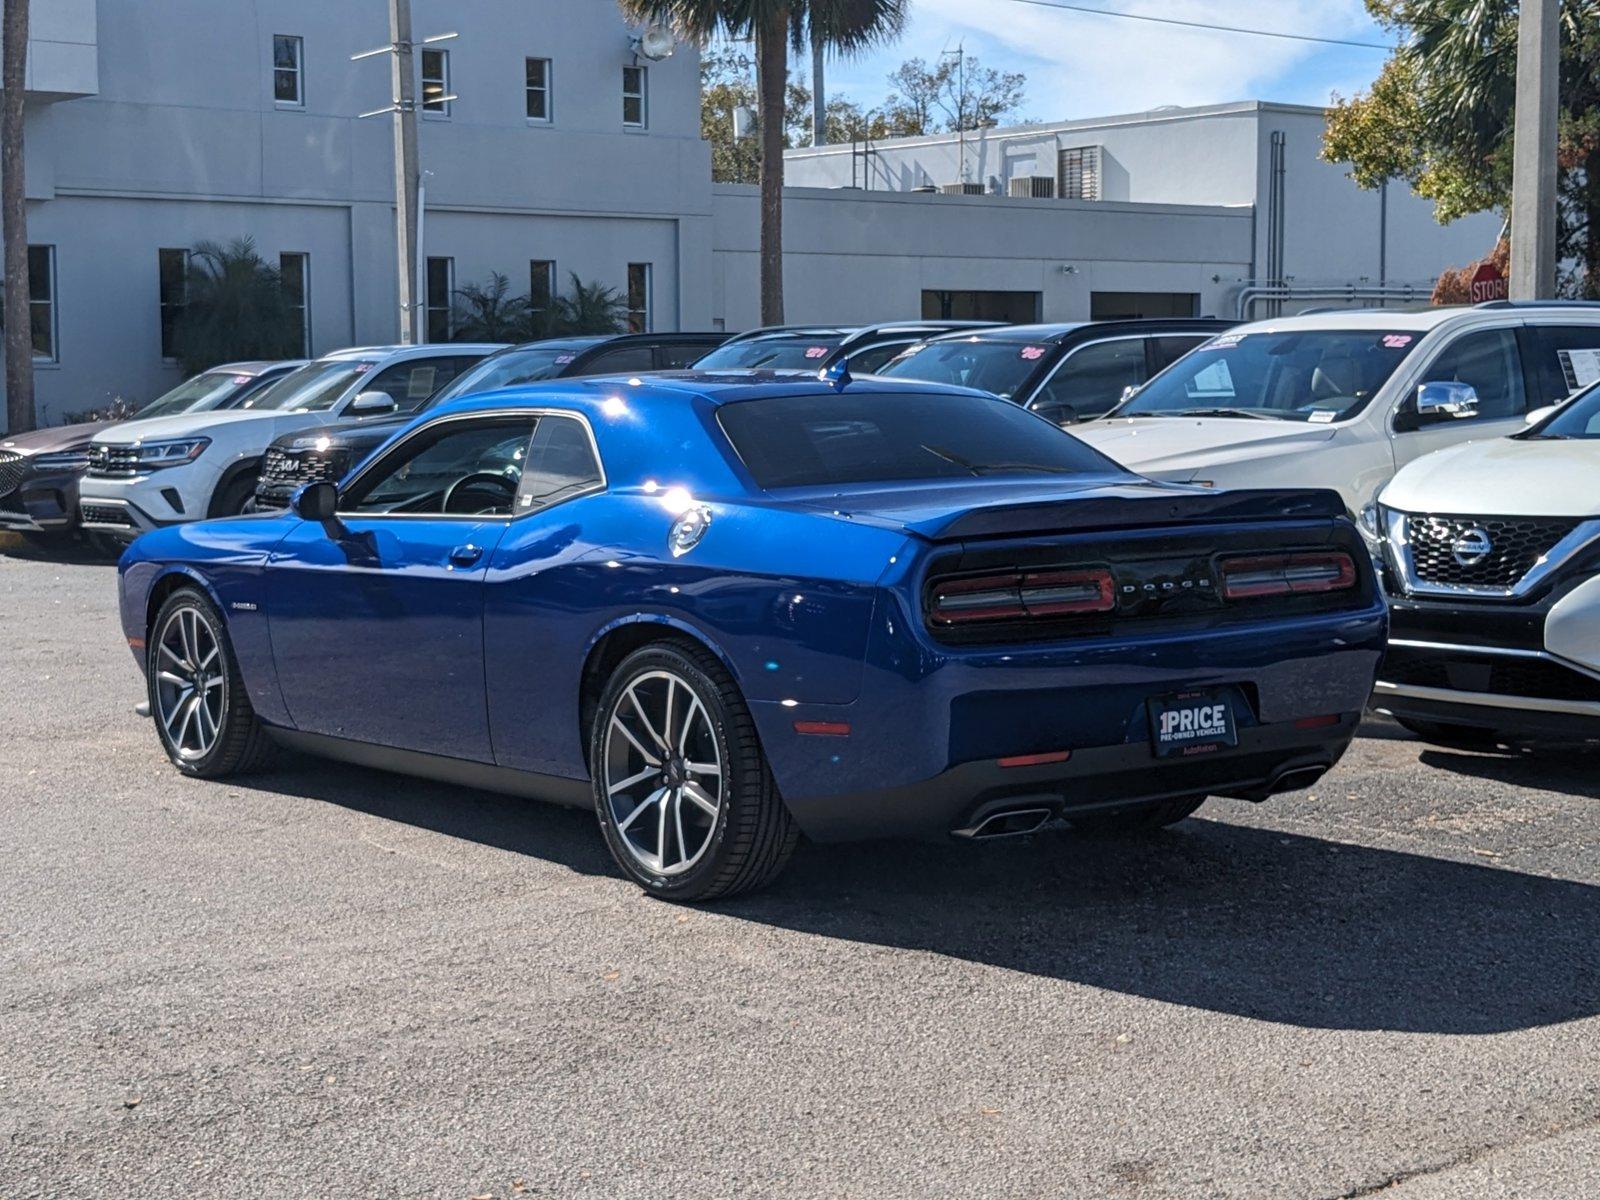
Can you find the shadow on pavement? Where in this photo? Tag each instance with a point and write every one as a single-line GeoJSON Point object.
{"type": "Point", "coordinates": [75, 550]}
{"type": "Point", "coordinates": [1212, 915]}
{"type": "Point", "coordinates": [1571, 771]}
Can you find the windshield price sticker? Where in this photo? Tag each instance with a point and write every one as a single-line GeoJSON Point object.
{"type": "Point", "coordinates": [1225, 342]}
{"type": "Point", "coordinates": [1322, 416]}
{"type": "Point", "coordinates": [1397, 341]}
{"type": "Point", "coordinates": [816, 351]}
{"type": "Point", "coordinates": [564, 359]}
{"type": "Point", "coordinates": [1033, 353]}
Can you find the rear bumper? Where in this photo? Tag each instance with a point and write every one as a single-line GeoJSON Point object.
{"type": "Point", "coordinates": [925, 737]}
{"type": "Point", "coordinates": [1099, 779]}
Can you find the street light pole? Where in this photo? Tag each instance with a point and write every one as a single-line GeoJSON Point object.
{"type": "Point", "coordinates": [1533, 161]}
{"type": "Point", "coordinates": [406, 177]}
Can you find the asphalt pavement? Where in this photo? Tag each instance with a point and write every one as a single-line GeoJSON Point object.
{"type": "Point", "coordinates": [331, 982]}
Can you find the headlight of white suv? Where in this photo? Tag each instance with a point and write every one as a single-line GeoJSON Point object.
{"type": "Point", "coordinates": [155, 455]}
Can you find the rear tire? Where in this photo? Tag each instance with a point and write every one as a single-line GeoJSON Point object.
{"type": "Point", "coordinates": [1444, 733]}
{"type": "Point", "coordinates": [684, 796]}
{"type": "Point", "coordinates": [198, 702]}
{"type": "Point", "coordinates": [1145, 819]}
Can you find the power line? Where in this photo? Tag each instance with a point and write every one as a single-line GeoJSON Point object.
{"type": "Point", "coordinates": [1271, 33]}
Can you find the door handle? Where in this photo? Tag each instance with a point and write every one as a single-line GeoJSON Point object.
{"type": "Point", "coordinates": [465, 556]}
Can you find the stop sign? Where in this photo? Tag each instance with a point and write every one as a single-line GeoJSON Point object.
{"type": "Point", "coordinates": [1488, 284]}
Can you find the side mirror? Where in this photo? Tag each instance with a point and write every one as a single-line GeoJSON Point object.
{"type": "Point", "coordinates": [369, 403]}
{"type": "Point", "coordinates": [1538, 415]}
{"type": "Point", "coordinates": [316, 502]}
{"type": "Point", "coordinates": [1446, 401]}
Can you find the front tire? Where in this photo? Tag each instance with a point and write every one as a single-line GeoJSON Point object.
{"type": "Point", "coordinates": [198, 702]}
{"type": "Point", "coordinates": [683, 793]}
{"type": "Point", "coordinates": [233, 497]}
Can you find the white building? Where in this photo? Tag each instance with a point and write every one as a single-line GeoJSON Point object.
{"type": "Point", "coordinates": [154, 127]}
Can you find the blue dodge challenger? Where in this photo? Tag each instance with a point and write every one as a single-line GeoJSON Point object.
{"type": "Point", "coordinates": [726, 610]}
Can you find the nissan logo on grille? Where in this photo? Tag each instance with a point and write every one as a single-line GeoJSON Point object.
{"type": "Point", "coordinates": [1472, 547]}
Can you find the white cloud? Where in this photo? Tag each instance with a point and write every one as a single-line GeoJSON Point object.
{"type": "Point", "coordinates": [1081, 65]}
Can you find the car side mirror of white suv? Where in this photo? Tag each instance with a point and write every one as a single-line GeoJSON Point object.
{"type": "Point", "coordinates": [1538, 415]}
{"type": "Point", "coordinates": [1446, 401]}
{"type": "Point", "coordinates": [370, 403]}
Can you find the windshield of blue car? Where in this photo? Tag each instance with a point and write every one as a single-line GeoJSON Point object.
{"type": "Point", "coordinates": [200, 394]}
{"type": "Point", "coordinates": [788, 352]}
{"type": "Point", "coordinates": [858, 437]}
{"type": "Point", "coordinates": [998, 367]}
{"type": "Point", "coordinates": [511, 367]}
{"type": "Point", "coordinates": [1578, 418]}
{"type": "Point", "coordinates": [315, 387]}
{"type": "Point", "coordinates": [1316, 375]}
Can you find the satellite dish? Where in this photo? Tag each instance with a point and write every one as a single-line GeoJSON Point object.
{"type": "Point", "coordinates": [655, 43]}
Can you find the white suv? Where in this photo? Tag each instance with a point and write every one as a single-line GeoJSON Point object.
{"type": "Point", "coordinates": [164, 471]}
{"type": "Point", "coordinates": [1344, 400]}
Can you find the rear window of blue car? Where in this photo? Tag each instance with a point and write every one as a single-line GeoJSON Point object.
{"type": "Point", "coordinates": [864, 437]}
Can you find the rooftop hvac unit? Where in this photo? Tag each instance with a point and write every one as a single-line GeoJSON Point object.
{"type": "Point", "coordinates": [1032, 187]}
{"type": "Point", "coordinates": [961, 189]}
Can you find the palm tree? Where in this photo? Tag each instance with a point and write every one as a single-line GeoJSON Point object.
{"type": "Point", "coordinates": [590, 308]}
{"type": "Point", "coordinates": [845, 26]}
{"type": "Point", "coordinates": [235, 308]}
{"type": "Point", "coordinates": [490, 314]}
{"type": "Point", "coordinates": [14, 215]}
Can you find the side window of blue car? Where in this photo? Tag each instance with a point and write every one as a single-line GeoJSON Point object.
{"type": "Point", "coordinates": [459, 468]}
{"type": "Point", "coordinates": [561, 465]}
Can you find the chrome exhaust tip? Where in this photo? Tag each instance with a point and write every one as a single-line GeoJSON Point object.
{"type": "Point", "coordinates": [1006, 822]}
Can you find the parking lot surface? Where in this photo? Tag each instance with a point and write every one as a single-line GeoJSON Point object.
{"type": "Point", "coordinates": [326, 981]}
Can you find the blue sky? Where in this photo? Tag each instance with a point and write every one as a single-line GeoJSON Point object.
{"type": "Point", "coordinates": [1079, 65]}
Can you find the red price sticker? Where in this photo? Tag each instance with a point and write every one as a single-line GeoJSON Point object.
{"type": "Point", "coordinates": [816, 352]}
{"type": "Point", "coordinates": [1032, 353]}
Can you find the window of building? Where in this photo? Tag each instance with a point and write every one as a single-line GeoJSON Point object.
{"type": "Point", "coordinates": [1080, 174]}
{"type": "Point", "coordinates": [541, 287]}
{"type": "Point", "coordinates": [173, 267]}
{"type": "Point", "coordinates": [441, 289]}
{"type": "Point", "coordinates": [294, 268]}
{"type": "Point", "coordinates": [538, 89]}
{"type": "Point", "coordinates": [42, 302]}
{"type": "Point", "coordinates": [639, 316]}
{"type": "Point", "coordinates": [436, 82]}
{"type": "Point", "coordinates": [288, 82]}
{"type": "Point", "coordinates": [635, 97]}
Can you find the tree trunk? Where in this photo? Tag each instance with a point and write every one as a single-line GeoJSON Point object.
{"type": "Point", "coordinates": [772, 61]}
{"type": "Point", "coordinates": [1591, 216]}
{"type": "Point", "coordinates": [14, 217]}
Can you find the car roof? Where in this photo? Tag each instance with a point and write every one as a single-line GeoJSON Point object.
{"type": "Point", "coordinates": [611, 339]}
{"type": "Point", "coordinates": [1062, 330]}
{"type": "Point", "coordinates": [427, 349]}
{"type": "Point", "coordinates": [1416, 320]}
{"type": "Point", "coordinates": [257, 366]}
{"type": "Point", "coordinates": [855, 332]}
{"type": "Point", "coordinates": [598, 393]}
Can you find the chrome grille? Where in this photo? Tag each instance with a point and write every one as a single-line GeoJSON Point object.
{"type": "Point", "coordinates": [1446, 550]}
{"type": "Point", "coordinates": [12, 468]}
{"type": "Point", "coordinates": [104, 514]}
{"type": "Point", "coordinates": [113, 461]}
{"type": "Point", "coordinates": [283, 468]}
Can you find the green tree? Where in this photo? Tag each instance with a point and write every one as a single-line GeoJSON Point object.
{"type": "Point", "coordinates": [844, 26]}
{"type": "Point", "coordinates": [590, 308]}
{"type": "Point", "coordinates": [943, 98]}
{"type": "Point", "coordinates": [489, 313]}
{"type": "Point", "coordinates": [235, 309]}
{"type": "Point", "coordinates": [1441, 112]}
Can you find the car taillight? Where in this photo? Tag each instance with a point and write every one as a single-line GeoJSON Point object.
{"type": "Point", "coordinates": [1286, 574]}
{"type": "Point", "coordinates": [1019, 596]}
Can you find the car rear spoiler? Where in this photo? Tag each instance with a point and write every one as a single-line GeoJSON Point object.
{"type": "Point", "coordinates": [1090, 513]}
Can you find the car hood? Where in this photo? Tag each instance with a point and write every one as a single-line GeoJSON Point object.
{"type": "Point", "coordinates": [55, 440]}
{"type": "Point", "coordinates": [181, 425]}
{"type": "Point", "coordinates": [350, 435]}
{"type": "Point", "coordinates": [1512, 477]}
{"type": "Point", "coordinates": [1176, 447]}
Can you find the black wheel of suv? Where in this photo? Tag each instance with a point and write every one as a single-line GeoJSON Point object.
{"type": "Point", "coordinates": [1144, 819]}
{"type": "Point", "coordinates": [1443, 733]}
{"type": "Point", "coordinates": [197, 697]}
{"type": "Point", "coordinates": [685, 800]}
{"type": "Point", "coordinates": [233, 497]}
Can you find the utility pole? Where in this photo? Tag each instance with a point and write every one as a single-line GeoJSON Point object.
{"type": "Point", "coordinates": [960, 53]}
{"type": "Point", "coordinates": [20, 415]}
{"type": "Point", "coordinates": [819, 99]}
{"type": "Point", "coordinates": [407, 172]}
{"type": "Point", "coordinates": [1533, 160]}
